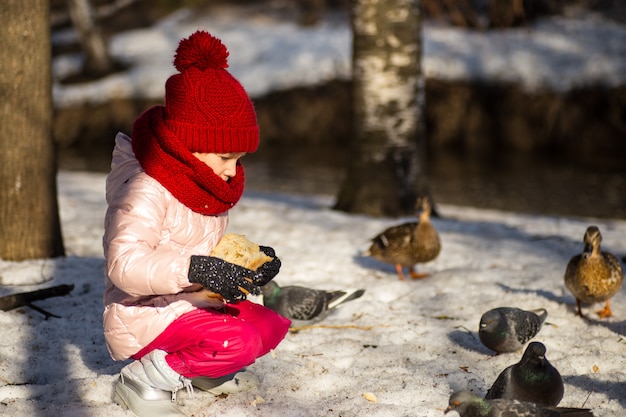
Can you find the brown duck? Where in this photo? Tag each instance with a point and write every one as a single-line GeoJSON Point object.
{"type": "Point", "coordinates": [408, 244]}
{"type": "Point", "coordinates": [594, 276]}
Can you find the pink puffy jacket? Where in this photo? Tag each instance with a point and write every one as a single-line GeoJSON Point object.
{"type": "Point", "coordinates": [149, 237]}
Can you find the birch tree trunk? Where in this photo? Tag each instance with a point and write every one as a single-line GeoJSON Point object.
{"type": "Point", "coordinates": [386, 170]}
{"type": "Point", "coordinates": [29, 217]}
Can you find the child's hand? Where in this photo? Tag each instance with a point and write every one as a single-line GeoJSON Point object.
{"type": "Point", "coordinates": [233, 282]}
{"type": "Point", "coordinates": [266, 272]}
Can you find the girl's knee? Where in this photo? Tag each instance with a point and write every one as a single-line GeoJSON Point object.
{"type": "Point", "coordinates": [249, 344]}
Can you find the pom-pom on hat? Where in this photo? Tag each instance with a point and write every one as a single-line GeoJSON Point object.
{"type": "Point", "coordinates": [205, 106]}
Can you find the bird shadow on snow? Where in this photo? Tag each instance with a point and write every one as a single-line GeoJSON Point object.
{"type": "Point", "coordinates": [374, 265]}
{"type": "Point", "coordinates": [617, 327]}
{"type": "Point", "coordinates": [548, 295]}
{"type": "Point", "coordinates": [469, 340]}
{"type": "Point", "coordinates": [612, 390]}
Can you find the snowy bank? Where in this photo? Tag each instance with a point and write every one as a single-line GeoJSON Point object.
{"type": "Point", "coordinates": [270, 54]}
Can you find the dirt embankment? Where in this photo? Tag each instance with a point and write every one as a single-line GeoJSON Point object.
{"type": "Point", "coordinates": [585, 125]}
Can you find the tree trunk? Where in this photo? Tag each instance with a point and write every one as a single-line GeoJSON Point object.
{"type": "Point", "coordinates": [386, 172]}
{"type": "Point", "coordinates": [29, 216]}
{"type": "Point", "coordinates": [97, 61]}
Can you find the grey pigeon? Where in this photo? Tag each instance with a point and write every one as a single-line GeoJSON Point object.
{"type": "Point", "coordinates": [468, 404]}
{"type": "Point", "coordinates": [507, 329]}
{"type": "Point", "coordinates": [532, 379]}
{"type": "Point", "coordinates": [303, 305]}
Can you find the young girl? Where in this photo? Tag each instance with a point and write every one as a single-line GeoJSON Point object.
{"type": "Point", "coordinates": [179, 313]}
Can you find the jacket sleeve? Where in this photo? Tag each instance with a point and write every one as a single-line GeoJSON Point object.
{"type": "Point", "coordinates": [139, 258]}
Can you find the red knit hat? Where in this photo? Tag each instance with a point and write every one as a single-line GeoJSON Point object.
{"type": "Point", "coordinates": [205, 106]}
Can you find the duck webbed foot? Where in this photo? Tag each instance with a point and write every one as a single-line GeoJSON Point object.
{"type": "Point", "coordinates": [606, 311]}
{"type": "Point", "coordinates": [418, 275]}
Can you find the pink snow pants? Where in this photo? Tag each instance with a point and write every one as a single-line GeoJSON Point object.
{"type": "Point", "coordinates": [215, 343]}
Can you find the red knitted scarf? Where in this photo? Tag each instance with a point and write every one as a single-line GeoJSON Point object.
{"type": "Point", "coordinates": [190, 180]}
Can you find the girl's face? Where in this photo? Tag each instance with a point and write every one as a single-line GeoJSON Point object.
{"type": "Point", "coordinates": [223, 165]}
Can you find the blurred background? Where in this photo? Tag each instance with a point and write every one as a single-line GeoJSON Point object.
{"type": "Point", "coordinates": [490, 143]}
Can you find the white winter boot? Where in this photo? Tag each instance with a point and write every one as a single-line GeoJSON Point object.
{"type": "Point", "coordinates": [241, 381]}
{"type": "Point", "coordinates": [148, 387]}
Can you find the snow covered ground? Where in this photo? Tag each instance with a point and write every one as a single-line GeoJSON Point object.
{"type": "Point", "coordinates": [397, 351]}
{"type": "Point", "coordinates": [404, 346]}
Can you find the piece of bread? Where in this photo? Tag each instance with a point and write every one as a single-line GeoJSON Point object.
{"type": "Point", "coordinates": [237, 249]}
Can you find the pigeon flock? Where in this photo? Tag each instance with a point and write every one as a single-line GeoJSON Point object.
{"type": "Point", "coordinates": [533, 387]}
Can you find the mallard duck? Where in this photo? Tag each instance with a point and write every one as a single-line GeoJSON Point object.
{"type": "Point", "coordinates": [408, 244]}
{"type": "Point", "coordinates": [594, 276]}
